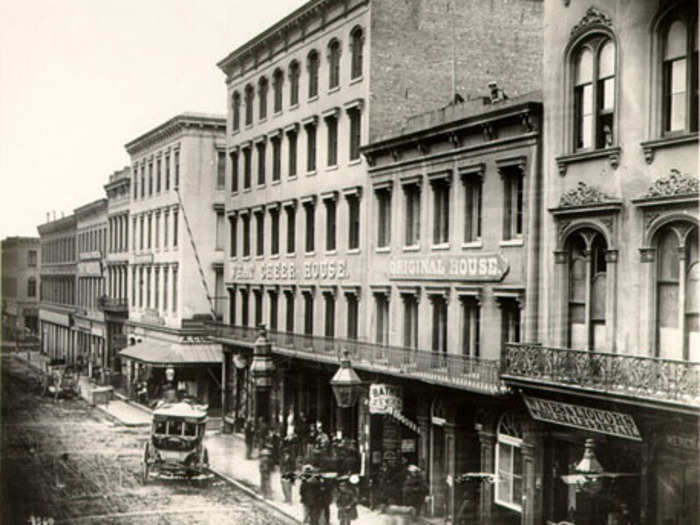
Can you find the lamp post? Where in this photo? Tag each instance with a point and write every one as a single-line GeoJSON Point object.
{"type": "Point", "coordinates": [346, 384]}
{"type": "Point", "coordinates": [261, 370]}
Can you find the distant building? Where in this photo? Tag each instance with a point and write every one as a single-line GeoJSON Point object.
{"type": "Point", "coordinates": [20, 286]}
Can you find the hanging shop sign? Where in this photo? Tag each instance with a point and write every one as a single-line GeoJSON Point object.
{"type": "Point", "coordinates": [586, 418]}
{"type": "Point", "coordinates": [385, 398]}
{"type": "Point", "coordinates": [408, 446]}
{"type": "Point", "coordinates": [90, 268]}
{"type": "Point", "coordinates": [324, 270]}
{"type": "Point", "coordinates": [477, 267]}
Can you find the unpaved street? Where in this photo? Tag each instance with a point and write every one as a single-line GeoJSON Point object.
{"type": "Point", "coordinates": [65, 461]}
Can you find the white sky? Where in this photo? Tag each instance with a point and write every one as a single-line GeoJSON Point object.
{"type": "Point", "coordinates": [80, 78]}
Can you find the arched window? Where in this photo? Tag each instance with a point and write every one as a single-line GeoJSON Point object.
{"type": "Point", "coordinates": [277, 83]}
{"type": "Point", "coordinates": [31, 287]}
{"type": "Point", "coordinates": [294, 83]}
{"type": "Point", "coordinates": [587, 285]}
{"type": "Point", "coordinates": [679, 57]}
{"type": "Point", "coordinates": [249, 96]}
{"type": "Point", "coordinates": [509, 463]}
{"type": "Point", "coordinates": [357, 41]}
{"type": "Point", "coordinates": [262, 94]}
{"type": "Point", "coordinates": [312, 65]}
{"type": "Point", "coordinates": [333, 64]}
{"type": "Point", "coordinates": [236, 107]}
{"type": "Point", "coordinates": [594, 93]}
{"type": "Point", "coordinates": [677, 290]}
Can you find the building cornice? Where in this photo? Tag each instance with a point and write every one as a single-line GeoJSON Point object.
{"type": "Point", "coordinates": [94, 207]}
{"type": "Point", "coordinates": [173, 127]}
{"type": "Point", "coordinates": [64, 223]}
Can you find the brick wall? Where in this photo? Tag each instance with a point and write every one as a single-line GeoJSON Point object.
{"type": "Point", "coordinates": [411, 53]}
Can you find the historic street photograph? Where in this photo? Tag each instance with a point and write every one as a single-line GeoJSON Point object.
{"type": "Point", "coordinates": [349, 262]}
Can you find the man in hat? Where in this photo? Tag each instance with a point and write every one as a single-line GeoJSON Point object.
{"type": "Point", "coordinates": [346, 499]}
{"type": "Point", "coordinates": [414, 488]}
{"type": "Point", "coordinates": [310, 494]}
{"type": "Point", "coordinates": [265, 465]}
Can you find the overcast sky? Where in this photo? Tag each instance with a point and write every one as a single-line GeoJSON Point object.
{"type": "Point", "coordinates": [80, 78]}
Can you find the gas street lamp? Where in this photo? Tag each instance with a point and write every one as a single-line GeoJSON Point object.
{"type": "Point", "coordinates": [261, 371]}
{"type": "Point", "coordinates": [346, 383]}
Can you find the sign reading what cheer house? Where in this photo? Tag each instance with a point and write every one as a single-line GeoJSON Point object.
{"type": "Point", "coordinates": [477, 267]}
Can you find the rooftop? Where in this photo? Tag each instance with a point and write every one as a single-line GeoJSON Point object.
{"type": "Point", "coordinates": [172, 126]}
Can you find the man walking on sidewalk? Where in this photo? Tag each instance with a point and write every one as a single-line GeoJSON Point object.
{"type": "Point", "coordinates": [287, 468]}
{"type": "Point", "coordinates": [249, 433]}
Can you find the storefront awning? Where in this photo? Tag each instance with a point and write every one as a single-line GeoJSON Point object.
{"type": "Point", "coordinates": [163, 353]}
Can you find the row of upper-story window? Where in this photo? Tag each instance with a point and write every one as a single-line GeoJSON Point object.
{"type": "Point", "coordinates": [58, 250]}
{"type": "Point", "coordinates": [242, 158]}
{"type": "Point", "coordinates": [92, 240]}
{"type": "Point", "coordinates": [119, 233]}
{"type": "Point", "coordinates": [58, 289]}
{"type": "Point", "coordinates": [151, 284]}
{"type": "Point", "coordinates": [89, 290]}
{"type": "Point", "coordinates": [116, 280]}
{"type": "Point", "coordinates": [10, 259]}
{"type": "Point", "coordinates": [593, 72]}
{"type": "Point", "coordinates": [149, 179]}
{"type": "Point", "coordinates": [444, 196]}
{"type": "Point", "coordinates": [9, 287]}
{"type": "Point", "coordinates": [294, 70]}
{"type": "Point", "coordinates": [148, 227]}
{"type": "Point", "coordinates": [240, 226]}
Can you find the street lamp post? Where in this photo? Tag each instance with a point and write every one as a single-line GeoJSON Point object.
{"type": "Point", "coordinates": [346, 385]}
{"type": "Point", "coordinates": [261, 371]}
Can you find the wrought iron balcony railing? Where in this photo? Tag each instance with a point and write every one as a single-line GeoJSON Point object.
{"type": "Point", "coordinates": [625, 375]}
{"type": "Point", "coordinates": [113, 304]}
{"type": "Point", "coordinates": [463, 372]}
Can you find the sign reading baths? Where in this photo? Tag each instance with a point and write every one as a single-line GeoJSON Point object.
{"type": "Point", "coordinates": [327, 269]}
{"type": "Point", "coordinates": [477, 267]}
{"type": "Point", "coordinates": [385, 398]}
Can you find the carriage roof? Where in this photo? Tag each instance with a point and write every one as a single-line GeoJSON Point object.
{"type": "Point", "coordinates": [181, 409]}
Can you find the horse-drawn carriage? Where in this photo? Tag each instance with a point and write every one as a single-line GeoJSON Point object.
{"type": "Point", "coordinates": [175, 448]}
{"type": "Point", "coordinates": [59, 380]}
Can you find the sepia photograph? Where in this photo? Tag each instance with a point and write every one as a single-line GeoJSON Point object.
{"type": "Point", "coordinates": [349, 262]}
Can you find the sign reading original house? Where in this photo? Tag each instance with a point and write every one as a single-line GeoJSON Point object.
{"type": "Point", "coordinates": [587, 418]}
{"type": "Point", "coordinates": [477, 267]}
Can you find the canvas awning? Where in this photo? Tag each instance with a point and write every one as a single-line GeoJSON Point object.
{"type": "Point", "coordinates": [164, 353]}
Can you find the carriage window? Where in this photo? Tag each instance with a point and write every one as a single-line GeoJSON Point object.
{"type": "Point", "coordinates": [190, 429]}
{"type": "Point", "coordinates": [160, 427]}
{"type": "Point", "coordinates": [175, 428]}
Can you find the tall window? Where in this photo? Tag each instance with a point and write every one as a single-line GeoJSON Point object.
{"type": "Point", "coordinates": [277, 83]}
{"type": "Point", "coordinates": [141, 284]}
{"type": "Point", "coordinates": [310, 147]}
{"type": "Point", "coordinates": [509, 463]}
{"type": "Point", "coordinates": [232, 306]}
{"type": "Point", "coordinates": [220, 170]}
{"type": "Point", "coordinates": [272, 294]}
{"type": "Point", "coordinates": [353, 314]}
{"type": "Point", "coordinates": [410, 320]}
{"type": "Point", "coordinates": [166, 220]}
{"type": "Point", "coordinates": [329, 310]}
{"type": "Point", "coordinates": [157, 229]}
{"type": "Point", "coordinates": [510, 316]}
{"type": "Point", "coordinates": [381, 302]}
{"type": "Point", "coordinates": [233, 225]}
{"type": "Point", "coordinates": [330, 224]}
{"type": "Point", "coordinates": [176, 160]}
{"type": "Point", "coordinates": [150, 178]}
{"type": "Point", "coordinates": [441, 211]}
{"type": "Point", "coordinates": [513, 205]}
{"type": "Point", "coordinates": [294, 83]}
{"type": "Point", "coordinates": [135, 183]}
{"type": "Point", "coordinates": [471, 329]}
{"type": "Point", "coordinates": [31, 262]}
{"type": "Point", "coordinates": [234, 170]}
{"type": "Point", "coordinates": [678, 292]}
{"type": "Point", "coordinates": [158, 176]}
{"type": "Point", "coordinates": [249, 96]}
{"type": "Point", "coordinates": [291, 228]}
{"type": "Point", "coordinates": [332, 127]}
{"type": "Point", "coordinates": [31, 287]}
{"type": "Point", "coordinates": [333, 64]}
{"type": "Point", "coordinates": [274, 231]}
{"type": "Point", "coordinates": [310, 216]}
{"type": "Point", "coordinates": [680, 75]}
{"type": "Point", "coordinates": [258, 298]}
{"type": "Point", "coordinates": [308, 312]}
{"type": "Point", "coordinates": [245, 307]}
{"type": "Point", "coordinates": [175, 228]}
{"type": "Point", "coordinates": [133, 286]}
{"type": "Point", "coordinates": [133, 237]}
{"type": "Point", "coordinates": [276, 158]}
{"type": "Point", "coordinates": [472, 208]}
{"type": "Point", "coordinates": [355, 133]}
{"type": "Point", "coordinates": [143, 181]}
{"type": "Point", "coordinates": [261, 162]}
{"type": "Point", "coordinates": [260, 232]}
{"type": "Point", "coordinates": [165, 287]}
{"type": "Point", "coordinates": [262, 98]}
{"type": "Point", "coordinates": [236, 110]}
{"type": "Point", "coordinates": [383, 217]}
{"type": "Point", "coordinates": [246, 168]}
{"type": "Point", "coordinates": [289, 309]}
{"type": "Point", "coordinates": [219, 241]}
{"type": "Point", "coordinates": [412, 194]}
{"type": "Point", "coordinates": [353, 221]}
{"type": "Point", "coordinates": [587, 290]}
{"type": "Point", "coordinates": [141, 231]}
{"type": "Point", "coordinates": [156, 287]}
{"type": "Point", "coordinates": [292, 144]}
{"type": "Point", "coordinates": [312, 65]}
{"type": "Point", "coordinates": [167, 172]}
{"type": "Point", "coordinates": [357, 39]}
{"type": "Point", "coordinates": [439, 336]}
{"type": "Point", "coordinates": [148, 287]}
{"type": "Point", "coordinates": [246, 234]}
{"type": "Point", "coordinates": [594, 93]}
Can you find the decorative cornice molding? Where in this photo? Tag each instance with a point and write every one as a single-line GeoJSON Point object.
{"type": "Point", "coordinates": [583, 194]}
{"type": "Point", "coordinates": [593, 16]}
{"type": "Point", "coordinates": [675, 184]}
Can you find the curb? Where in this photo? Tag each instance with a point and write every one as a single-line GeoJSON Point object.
{"type": "Point", "coordinates": [115, 419]}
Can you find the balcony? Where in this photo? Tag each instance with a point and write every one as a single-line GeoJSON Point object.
{"type": "Point", "coordinates": [634, 377]}
{"type": "Point", "coordinates": [456, 371]}
{"type": "Point", "coordinates": [113, 305]}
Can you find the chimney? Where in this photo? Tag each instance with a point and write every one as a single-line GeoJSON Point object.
{"type": "Point", "coordinates": [48, 216]}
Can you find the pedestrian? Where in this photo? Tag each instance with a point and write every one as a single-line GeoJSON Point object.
{"type": "Point", "coordinates": [287, 475]}
{"type": "Point", "coordinates": [310, 495]}
{"type": "Point", "coordinates": [265, 466]}
{"type": "Point", "coordinates": [325, 499]}
{"type": "Point", "coordinates": [249, 434]}
{"type": "Point", "coordinates": [346, 500]}
{"type": "Point", "coordinates": [415, 489]}
{"type": "Point", "coordinates": [261, 430]}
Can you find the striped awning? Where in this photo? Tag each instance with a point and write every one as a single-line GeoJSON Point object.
{"type": "Point", "coordinates": [164, 353]}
